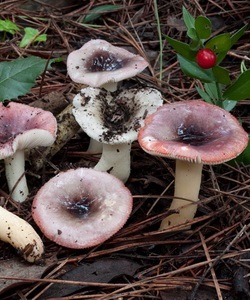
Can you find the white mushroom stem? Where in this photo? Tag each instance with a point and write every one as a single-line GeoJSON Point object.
{"type": "Point", "coordinates": [115, 160]}
{"type": "Point", "coordinates": [15, 174]}
{"type": "Point", "coordinates": [187, 186]}
{"type": "Point", "coordinates": [21, 235]}
{"type": "Point", "coordinates": [110, 86]}
{"type": "Point", "coordinates": [94, 146]}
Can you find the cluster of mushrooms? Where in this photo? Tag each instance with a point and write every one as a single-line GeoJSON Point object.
{"type": "Point", "coordinates": [83, 207]}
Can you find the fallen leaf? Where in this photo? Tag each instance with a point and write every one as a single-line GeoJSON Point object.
{"type": "Point", "coordinates": [101, 270]}
{"type": "Point", "coordinates": [177, 294]}
{"type": "Point", "coordinates": [16, 268]}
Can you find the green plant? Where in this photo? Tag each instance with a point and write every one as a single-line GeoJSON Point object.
{"type": "Point", "coordinates": [6, 26]}
{"type": "Point", "coordinates": [31, 35]}
{"type": "Point", "coordinates": [217, 87]}
{"type": "Point", "coordinates": [98, 11]}
{"type": "Point", "coordinates": [17, 77]}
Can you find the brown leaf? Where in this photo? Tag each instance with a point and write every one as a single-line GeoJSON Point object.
{"type": "Point", "coordinates": [16, 268]}
{"type": "Point", "coordinates": [102, 270]}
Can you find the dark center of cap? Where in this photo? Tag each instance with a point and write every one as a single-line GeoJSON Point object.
{"type": "Point", "coordinates": [104, 61]}
{"type": "Point", "coordinates": [81, 208]}
{"type": "Point", "coordinates": [192, 136]}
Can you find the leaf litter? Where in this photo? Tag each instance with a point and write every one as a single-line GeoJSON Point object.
{"type": "Point", "coordinates": [210, 260]}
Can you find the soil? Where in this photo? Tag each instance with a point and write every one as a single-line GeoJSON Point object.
{"type": "Point", "coordinates": [208, 261]}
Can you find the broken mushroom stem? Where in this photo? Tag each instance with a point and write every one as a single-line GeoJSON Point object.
{"type": "Point", "coordinates": [184, 190]}
{"type": "Point", "coordinates": [115, 159]}
{"type": "Point", "coordinates": [21, 235]}
{"type": "Point", "coordinates": [15, 175]}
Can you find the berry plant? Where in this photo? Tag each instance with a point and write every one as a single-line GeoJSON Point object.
{"type": "Point", "coordinates": [206, 58]}
{"type": "Point", "coordinates": [201, 59]}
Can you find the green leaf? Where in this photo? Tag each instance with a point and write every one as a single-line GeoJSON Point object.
{"type": "Point", "coordinates": [193, 34]}
{"type": "Point", "coordinates": [32, 35]}
{"type": "Point", "coordinates": [219, 43]}
{"type": "Point", "coordinates": [97, 11]}
{"type": "Point", "coordinates": [18, 76]}
{"type": "Point", "coordinates": [8, 26]}
{"type": "Point", "coordinates": [234, 38]}
{"type": "Point", "coordinates": [191, 69]}
{"type": "Point", "coordinates": [229, 104]}
{"type": "Point", "coordinates": [181, 48]}
{"type": "Point", "coordinates": [204, 95]}
{"type": "Point", "coordinates": [221, 75]}
{"type": "Point", "coordinates": [203, 27]}
{"type": "Point", "coordinates": [211, 89]}
{"type": "Point", "coordinates": [189, 20]}
{"type": "Point", "coordinates": [239, 89]}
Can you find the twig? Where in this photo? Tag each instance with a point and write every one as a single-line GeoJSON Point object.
{"type": "Point", "coordinates": [217, 287]}
{"type": "Point", "coordinates": [212, 264]}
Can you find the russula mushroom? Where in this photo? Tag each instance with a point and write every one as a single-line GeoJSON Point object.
{"type": "Point", "coordinates": [114, 120]}
{"type": "Point", "coordinates": [194, 133]}
{"type": "Point", "coordinates": [84, 207]}
{"type": "Point", "coordinates": [22, 127]}
{"type": "Point", "coordinates": [100, 64]}
{"type": "Point", "coordinates": [21, 235]}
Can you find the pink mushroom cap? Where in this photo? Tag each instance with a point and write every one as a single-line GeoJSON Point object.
{"type": "Point", "coordinates": [98, 62]}
{"type": "Point", "coordinates": [195, 131]}
{"type": "Point", "coordinates": [24, 127]}
{"type": "Point", "coordinates": [81, 208]}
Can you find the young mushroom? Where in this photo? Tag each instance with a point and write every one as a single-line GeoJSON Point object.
{"type": "Point", "coordinates": [100, 64]}
{"type": "Point", "coordinates": [194, 133]}
{"type": "Point", "coordinates": [21, 235]}
{"type": "Point", "coordinates": [84, 207]}
{"type": "Point", "coordinates": [22, 127]}
{"type": "Point", "coordinates": [114, 119]}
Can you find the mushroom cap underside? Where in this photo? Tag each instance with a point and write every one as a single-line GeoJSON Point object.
{"type": "Point", "coordinates": [98, 62]}
{"type": "Point", "coordinates": [84, 207]}
{"type": "Point", "coordinates": [195, 131]}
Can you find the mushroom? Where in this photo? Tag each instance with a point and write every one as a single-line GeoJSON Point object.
{"type": "Point", "coordinates": [22, 127]}
{"type": "Point", "coordinates": [114, 120]}
{"type": "Point", "coordinates": [84, 207]}
{"type": "Point", "coordinates": [194, 133]}
{"type": "Point", "coordinates": [21, 235]}
{"type": "Point", "coordinates": [100, 64]}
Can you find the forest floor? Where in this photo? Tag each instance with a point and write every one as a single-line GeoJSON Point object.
{"type": "Point", "coordinates": [209, 261]}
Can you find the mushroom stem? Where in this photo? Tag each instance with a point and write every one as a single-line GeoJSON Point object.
{"type": "Point", "coordinates": [94, 146]}
{"type": "Point", "coordinates": [21, 235]}
{"type": "Point", "coordinates": [15, 174]}
{"type": "Point", "coordinates": [115, 160]}
{"type": "Point", "coordinates": [187, 186]}
{"type": "Point", "coordinates": [110, 86]}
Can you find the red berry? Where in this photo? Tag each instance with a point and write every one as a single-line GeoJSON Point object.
{"type": "Point", "coordinates": [206, 58]}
